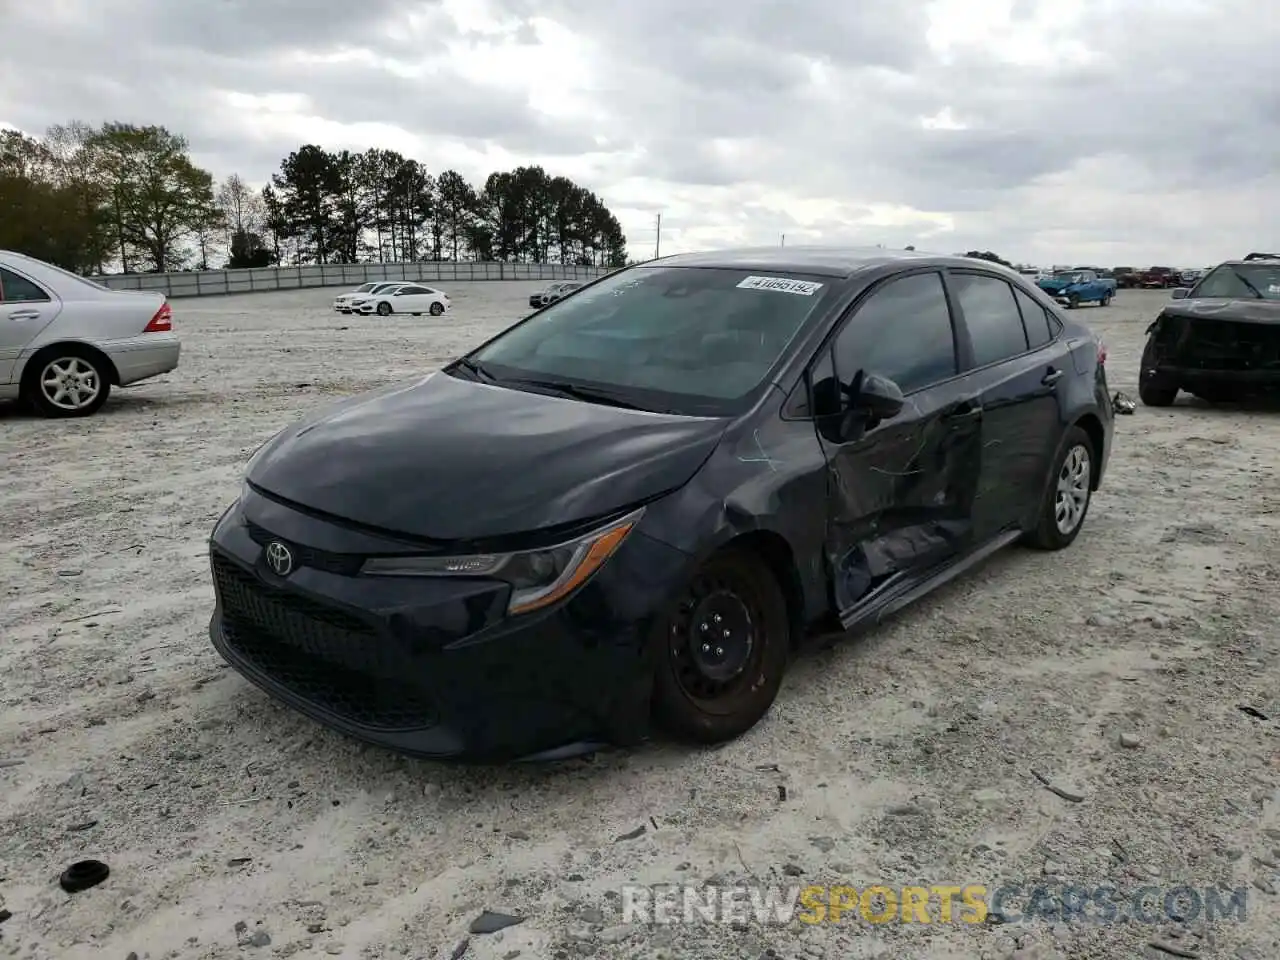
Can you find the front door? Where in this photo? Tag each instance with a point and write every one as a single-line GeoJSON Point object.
{"type": "Point", "coordinates": [1017, 365]}
{"type": "Point", "coordinates": [900, 492]}
{"type": "Point", "coordinates": [26, 308]}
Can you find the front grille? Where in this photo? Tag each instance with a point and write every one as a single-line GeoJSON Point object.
{"type": "Point", "coordinates": [343, 564]}
{"type": "Point", "coordinates": [1221, 344]}
{"type": "Point", "coordinates": [321, 654]}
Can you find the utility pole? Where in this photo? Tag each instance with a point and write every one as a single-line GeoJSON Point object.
{"type": "Point", "coordinates": [657, 243]}
{"type": "Point", "coordinates": [784, 241]}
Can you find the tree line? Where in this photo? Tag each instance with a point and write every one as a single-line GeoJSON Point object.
{"type": "Point", "coordinates": [87, 198]}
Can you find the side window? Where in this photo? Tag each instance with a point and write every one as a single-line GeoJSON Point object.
{"type": "Point", "coordinates": [903, 332]}
{"type": "Point", "coordinates": [992, 316]}
{"type": "Point", "coordinates": [1035, 319]}
{"type": "Point", "coordinates": [16, 289]}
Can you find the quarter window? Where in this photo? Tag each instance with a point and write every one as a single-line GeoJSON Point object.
{"type": "Point", "coordinates": [903, 332]}
{"type": "Point", "coordinates": [1035, 318]}
{"type": "Point", "coordinates": [992, 316]}
{"type": "Point", "coordinates": [17, 289]}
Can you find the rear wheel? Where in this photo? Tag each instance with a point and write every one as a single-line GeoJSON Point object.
{"type": "Point", "coordinates": [1106, 300]}
{"type": "Point", "coordinates": [384, 309]}
{"type": "Point", "coordinates": [1068, 495]}
{"type": "Point", "coordinates": [722, 650]}
{"type": "Point", "coordinates": [68, 382]}
{"type": "Point", "coordinates": [1154, 390]}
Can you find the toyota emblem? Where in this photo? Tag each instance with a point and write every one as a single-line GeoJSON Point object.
{"type": "Point", "coordinates": [279, 559]}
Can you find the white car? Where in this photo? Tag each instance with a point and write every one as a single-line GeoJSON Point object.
{"type": "Point", "coordinates": [342, 302]}
{"type": "Point", "coordinates": [407, 298]}
{"type": "Point", "coordinates": [66, 341]}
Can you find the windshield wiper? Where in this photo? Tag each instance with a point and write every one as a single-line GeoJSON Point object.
{"type": "Point", "coordinates": [1252, 289]}
{"type": "Point", "coordinates": [579, 392]}
{"type": "Point", "coordinates": [476, 370]}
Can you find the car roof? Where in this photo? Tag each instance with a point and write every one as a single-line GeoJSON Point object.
{"type": "Point", "coordinates": [823, 261]}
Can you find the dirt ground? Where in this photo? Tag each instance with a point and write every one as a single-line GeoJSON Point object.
{"type": "Point", "coordinates": [235, 828]}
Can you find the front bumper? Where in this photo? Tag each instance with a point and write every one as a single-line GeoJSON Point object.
{"type": "Point", "coordinates": [1205, 352]}
{"type": "Point", "coordinates": [432, 667]}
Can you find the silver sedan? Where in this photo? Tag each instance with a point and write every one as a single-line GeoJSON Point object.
{"type": "Point", "coordinates": [66, 341]}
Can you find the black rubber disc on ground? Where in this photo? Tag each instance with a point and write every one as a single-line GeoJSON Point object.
{"type": "Point", "coordinates": [83, 875]}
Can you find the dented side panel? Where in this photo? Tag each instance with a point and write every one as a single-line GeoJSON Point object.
{"type": "Point", "coordinates": [902, 495]}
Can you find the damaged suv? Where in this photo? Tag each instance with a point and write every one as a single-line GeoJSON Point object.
{"type": "Point", "coordinates": [1219, 340]}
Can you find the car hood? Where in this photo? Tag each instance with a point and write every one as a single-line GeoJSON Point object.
{"type": "Point", "coordinates": [1053, 284]}
{"type": "Point", "coordinates": [442, 458]}
{"type": "Point", "coordinates": [1212, 308]}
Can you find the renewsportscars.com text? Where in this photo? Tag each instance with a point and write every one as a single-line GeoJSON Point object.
{"type": "Point", "coordinates": [968, 903]}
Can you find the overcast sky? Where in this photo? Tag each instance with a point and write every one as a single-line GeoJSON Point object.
{"type": "Point", "coordinates": [1099, 131]}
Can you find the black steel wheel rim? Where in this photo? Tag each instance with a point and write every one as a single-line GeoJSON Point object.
{"type": "Point", "coordinates": [716, 639]}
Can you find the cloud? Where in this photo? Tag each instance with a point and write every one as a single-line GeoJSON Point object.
{"type": "Point", "coordinates": [1088, 130]}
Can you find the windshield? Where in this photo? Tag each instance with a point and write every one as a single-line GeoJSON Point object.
{"type": "Point", "coordinates": [364, 287]}
{"type": "Point", "coordinates": [1069, 277]}
{"type": "Point", "coordinates": [689, 340]}
{"type": "Point", "coordinates": [1245, 281]}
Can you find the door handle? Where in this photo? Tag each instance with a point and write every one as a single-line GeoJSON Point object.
{"type": "Point", "coordinates": [964, 411]}
{"type": "Point", "coordinates": [1052, 377]}
{"type": "Point", "coordinates": [24, 315]}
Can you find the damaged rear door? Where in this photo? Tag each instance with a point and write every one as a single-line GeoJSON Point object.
{"type": "Point", "coordinates": [900, 491]}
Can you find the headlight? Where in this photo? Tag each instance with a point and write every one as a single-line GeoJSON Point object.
{"type": "Point", "coordinates": [538, 578]}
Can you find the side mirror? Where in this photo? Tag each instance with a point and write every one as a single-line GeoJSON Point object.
{"type": "Point", "coordinates": [1180, 293]}
{"type": "Point", "coordinates": [879, 399]}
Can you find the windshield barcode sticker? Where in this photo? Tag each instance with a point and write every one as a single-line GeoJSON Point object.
{"type": "Point", "coordinates": [804, 288]}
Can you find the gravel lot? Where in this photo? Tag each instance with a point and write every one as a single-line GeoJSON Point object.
{"type": "Point", "coordinates": [235, 828]}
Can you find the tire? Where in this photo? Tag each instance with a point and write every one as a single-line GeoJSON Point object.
{"type": "Point", "coordinates": [1073, 301]}
{"type": "Point", "coordinates": [688, 702]}
{"type": "Point", "coordinates": [1105, 301]}
{"type": "Point", "coordinates": [1068, 493]}
{"type": "Point", "coordinates": [38, 389]}
{"type": "Point", "coordinates": [384, 309]}
{"type": "Point", "coordinates": [437, 308]}
{"type": "Point", "coordinates": [1152, 391]}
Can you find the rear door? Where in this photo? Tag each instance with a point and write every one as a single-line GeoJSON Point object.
{"type": "Point", "coordinates": [412, 299]}
{"type": "Point", "coordinates": [901, 492]}
{"type": "Point", "coordinates": [26, 308]}
{"type": "Point", "coordinates": [1017, 363]}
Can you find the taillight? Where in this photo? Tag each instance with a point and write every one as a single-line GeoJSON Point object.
{"type": "Point", "coordinates": [1102, 352]}
{"type": "Point", "coordinates": [162, 322]}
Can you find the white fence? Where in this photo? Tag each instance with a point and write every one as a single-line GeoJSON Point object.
{"type": "Point", "coordinates": [203, 283]}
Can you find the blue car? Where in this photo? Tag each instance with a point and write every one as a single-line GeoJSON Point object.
{"type": "Point", "coordinates": [1074, 287]}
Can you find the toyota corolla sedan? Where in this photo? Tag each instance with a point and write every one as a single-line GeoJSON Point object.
{"type": "Point", "coordinates": [626, 512]}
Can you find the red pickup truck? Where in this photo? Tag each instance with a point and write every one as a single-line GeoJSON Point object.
{"type": "Point", "coordinates": [1158, 278]}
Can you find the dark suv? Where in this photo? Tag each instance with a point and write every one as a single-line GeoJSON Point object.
{"type": "Point", "coordinates": [1219, 340]}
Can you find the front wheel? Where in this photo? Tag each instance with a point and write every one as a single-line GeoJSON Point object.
{"type": "Point", "coordinates": [1073, 301]}
{"type": "Point", "coordinates": [437, 308]}
{"type": "Point", "coordinates": [722, 650]}
{"type": "Point", "coordinates": [384, 309]}
{"type": "Point", "coordinates": [1069, 493]}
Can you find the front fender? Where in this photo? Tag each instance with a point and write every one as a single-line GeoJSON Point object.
{"type": "Point", "coordinates": [769, 481]}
